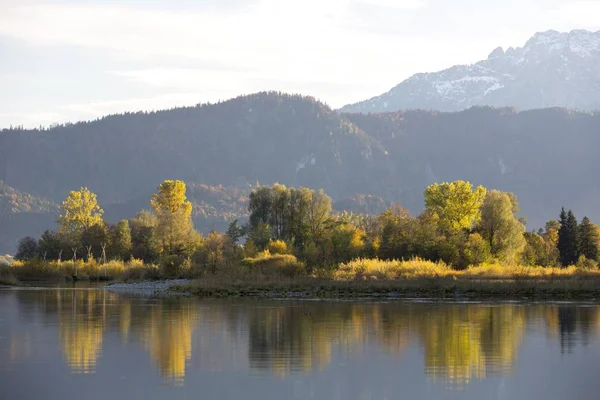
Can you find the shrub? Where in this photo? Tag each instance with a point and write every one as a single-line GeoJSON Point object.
{"type": "Point", "coordinates": [172, 266]}
{"type": "Point", "coordinates": [217, 252]}
{"type": "Point", "coordinates": [284, 265]}
{"type": "Point", "coordinates": [381, 269]}
{"type": "Point", "coordinates": [277, 247]}
{"type": "Point", "coordinates": [250, 249]}
{"type": "Point", "coordinates": [586, 264]}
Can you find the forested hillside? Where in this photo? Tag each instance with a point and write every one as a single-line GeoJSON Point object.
{"type": "Point", "coordinates": [22, 214]}
{"type": "Point", "coordinates": [549, 158]}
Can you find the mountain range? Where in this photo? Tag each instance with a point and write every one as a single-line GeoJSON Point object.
{"type": "Point", "coordinates": [366, 162]}
{"type": "Point", "coordinates": [552, 69]}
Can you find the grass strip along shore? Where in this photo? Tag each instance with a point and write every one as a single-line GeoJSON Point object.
{"type": "Point", "coordinates": [282, 276]}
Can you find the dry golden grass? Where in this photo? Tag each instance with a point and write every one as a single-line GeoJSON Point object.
{"type": "Point", "coordinates": [362, 269]}
{"type": "Point", "coordinates": [53, 270]}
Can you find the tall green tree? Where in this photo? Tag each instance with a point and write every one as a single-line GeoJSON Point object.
{"type": "Point", "coordinates": [234, 231]}
{"type": "Point", "coordinates": [120, 241]}
{"type": "Point", "coordinates": [260, 205]}
{"type": "Point", "coordinates": [588, 240]}
{"type": "Point", "coordinates": [51, 246]}
{"type": "Point", "coordinates": [568, 238]}
{"type": "Point", "coordinates": [175, 229]}
{"type": "Point", "coordinates": [299, 231]}
{"type": "Point", "coordinates": [501, 228]}
{"type": "Point", "coordinates": [396, 232]}
{"type": "Point", "coordinates": [144, 240]}
{"type": "Point", "coordinates": [94, 239]}
{"type": "Point", "coordinates": [456, 204]}
{"type": "Point", "coordinates": [28, 249]}
{"type": "Point", "coordinates": [319, 215]}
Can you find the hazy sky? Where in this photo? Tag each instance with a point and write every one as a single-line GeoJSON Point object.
{"type": "Point", "coordinates": [72, 60]}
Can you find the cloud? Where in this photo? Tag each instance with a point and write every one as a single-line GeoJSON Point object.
{"type": "Point", "coordinates": [157, 54]}
{"type": "Point", "coordinates": [581, 14]}
{"type": "Point", "coordinates": [399, 4]}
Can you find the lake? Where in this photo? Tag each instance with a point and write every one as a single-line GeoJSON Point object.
{"type": "Point", "coordinates": [96, 344]}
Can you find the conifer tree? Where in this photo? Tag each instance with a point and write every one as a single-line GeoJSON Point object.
{"type": "Point", "coordinates": [234, 231]}
{"type": "Point", "coordinates": [568, 235]}
{"type": "Point", "coordinates": [588, 239]}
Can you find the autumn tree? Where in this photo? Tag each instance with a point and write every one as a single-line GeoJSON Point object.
{"type": "Point", "coordinates": [476, 250]}
{"type": "Point", "coordinates": [456, 204]}
{"type": "Point", "coordinates": [501, 228]}
{"type": "Point", "coordinates": [174, 215]}
{"type": "Point", "coordinates": [79, 211]}
{"type": "Point", "coordinates": [535, 252]}
{"type": "Point", "coordinates": [348, 242]}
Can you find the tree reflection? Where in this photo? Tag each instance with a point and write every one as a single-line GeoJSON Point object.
{"type": "Point", "coordinates": [82, 316]}
{"type": "Point", "coordinates": [167, 334]}
{"type": "Point", "coordinates": [466, 342]}
{"type": "Point", "coordinates": [459, 342]}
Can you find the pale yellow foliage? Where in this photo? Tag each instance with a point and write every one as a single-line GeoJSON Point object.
{"type": "Point", "coordinates": [79, 211]}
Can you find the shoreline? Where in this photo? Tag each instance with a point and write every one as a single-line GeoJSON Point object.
{"type": "Point", "coordinates": [315, 289]}
{"type": "Point", "coordinates": [163, 286]}
{"type": "Point", "coordinates": [405, 289]}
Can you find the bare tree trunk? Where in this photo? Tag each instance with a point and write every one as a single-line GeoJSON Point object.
{"type": "Point", "coordinates": [60, 256]}
{"type": "Point", "coordinates": [74, 249]}
{"type": "Point", "coordinates": [103, 253]}
{"type": "Point", "coordinates": [89, 252]}
{"type": "Point", "coordinates": [44, 255]}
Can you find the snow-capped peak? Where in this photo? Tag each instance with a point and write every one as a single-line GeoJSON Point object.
{"type": "Point", "coordinates": [580, 42]}
{"type": "Point", "coordinates": [552, 69]}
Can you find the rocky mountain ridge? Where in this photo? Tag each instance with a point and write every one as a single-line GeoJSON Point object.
{"type": "Point", "coordinates": [552, 69]}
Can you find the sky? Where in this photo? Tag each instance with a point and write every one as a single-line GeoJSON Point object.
{"type": "Point", "coordinates": [67, 60]}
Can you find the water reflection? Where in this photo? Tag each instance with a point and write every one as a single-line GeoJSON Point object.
{"type": "Point", "coordinates": [81, 322]}
{"type": "Point", "coordinates": [458, 343]}
{"type": "Point", "coordinates": [167, 335]}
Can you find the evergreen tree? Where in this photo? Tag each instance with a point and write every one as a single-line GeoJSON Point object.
{"type": "Point", "coordinates": [568, 235]}
{"type": "Point", "coordinates": [588, 239]}
{"type": "Point", "coordinates": [234, 231]}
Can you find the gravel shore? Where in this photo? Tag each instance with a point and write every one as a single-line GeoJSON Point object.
{"type": "Point", "coordinates": [148, 286]}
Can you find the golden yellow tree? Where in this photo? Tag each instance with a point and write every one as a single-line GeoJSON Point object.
{"type": "Point", "coordinates": [80, 212]}
{"type": "Point", "coordinates": [174, 213]}
{"type": "Point", "coordinates": [456, 204]}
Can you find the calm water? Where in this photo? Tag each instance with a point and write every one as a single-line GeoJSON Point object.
{"type": "Point", "coordinates": [92, 344]}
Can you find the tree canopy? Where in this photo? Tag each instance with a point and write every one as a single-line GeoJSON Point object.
{"type": "Point", "coordinates": [456, 204]}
